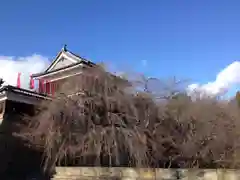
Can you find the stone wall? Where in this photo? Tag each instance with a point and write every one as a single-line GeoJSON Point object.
{"type": "Point", "coordinates": [86, 173]}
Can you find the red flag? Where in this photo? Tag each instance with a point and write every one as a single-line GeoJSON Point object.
{"type": "Point", "coordinates": [19, 80]}
{"type": "Point", "coordinates": [31, 82]}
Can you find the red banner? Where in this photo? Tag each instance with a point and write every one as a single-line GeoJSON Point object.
{"type": "Point", "coordinates": [19, 80]}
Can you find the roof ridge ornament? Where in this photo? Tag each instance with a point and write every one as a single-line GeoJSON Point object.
{"type": "Point", "coordinates": [64, 48]}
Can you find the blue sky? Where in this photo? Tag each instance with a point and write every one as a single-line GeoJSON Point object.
{"type": "Point", "coordinates": [188, 39]}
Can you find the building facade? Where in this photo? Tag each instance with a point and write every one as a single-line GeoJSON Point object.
{"type": "Point", "coordinates": [65, 65]}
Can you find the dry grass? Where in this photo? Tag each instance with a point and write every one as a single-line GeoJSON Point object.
{"type": "Point", "coordinates": [105, 125]}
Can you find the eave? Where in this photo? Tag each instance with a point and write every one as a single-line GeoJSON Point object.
{"type": "Point", "coordinates": [21, 95]}
{"type": "Point", "coordinates": [66, 68]}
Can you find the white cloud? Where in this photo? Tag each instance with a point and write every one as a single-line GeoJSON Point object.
{"type": "Point", "coordinates": [11, 66]}
{"type": "Point", "coordinates": [225, 80]}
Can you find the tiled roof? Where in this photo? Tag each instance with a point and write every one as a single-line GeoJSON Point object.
{"type": "Point", "coordinates": [26, 92]}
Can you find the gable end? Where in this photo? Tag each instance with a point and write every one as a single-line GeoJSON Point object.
{"type": "Point", "coordinates": [63, 59]}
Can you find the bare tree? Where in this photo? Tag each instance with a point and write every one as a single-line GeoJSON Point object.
{"type": "Point", "coordinates": [94, 121]}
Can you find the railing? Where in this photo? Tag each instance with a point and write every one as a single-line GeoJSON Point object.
{"type": "Point", "coordinates": [48, 88]}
